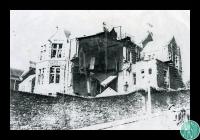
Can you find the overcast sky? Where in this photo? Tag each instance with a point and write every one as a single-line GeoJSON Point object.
{"type": "Point", "coordinates": [30, 29]}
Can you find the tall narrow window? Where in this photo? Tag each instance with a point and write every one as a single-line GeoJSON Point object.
{"type": "Point", "coordinates": [42, 76]}
{"type": "Point", "coordinates": [51, 77]}
{"type": "Point", "coordinates": [124, 52]}
{"type": "Point", "coordinates": [57, 75]}
{"type": "Point", "coordinates": [59, 51]}
{"type": "Point", "coordinates": [54, 74]}
{"type": "Point", "coordinates": [39, 76]}
{"type": "Point", "coordinates": [134, 78]}
{"type": "Point", "coordinates": [53, 50]}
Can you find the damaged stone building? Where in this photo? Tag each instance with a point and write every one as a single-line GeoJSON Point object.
{"type": "Point", "coordinates": [160, 66]}
{"type": "Point", "coordinates": [106, 64]}
{"type": "Point", "coordinates": [100, 61]}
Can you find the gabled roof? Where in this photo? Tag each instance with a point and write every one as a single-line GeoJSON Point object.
{"type": "Point", "coordinates": [30, 77]}
{"type": "Point", "coordinates": [27, 73]}
{"type": "Point", "coordinates": [84, 37]}
{"type": "Point", "coordinates": [113, 32]}
{"type": "Point", "coordinates": [15, 73]}
{"type": "Point", "coordinates": [58, 35]}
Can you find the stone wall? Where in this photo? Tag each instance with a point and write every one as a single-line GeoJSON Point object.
{"type": "Point", "coordinates": [161, 100]}
{"type": "Point", "coordinates": [32, 111]}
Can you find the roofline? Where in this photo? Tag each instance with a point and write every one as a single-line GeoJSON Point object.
{"type": "Point", "coordinates": [79, 38]}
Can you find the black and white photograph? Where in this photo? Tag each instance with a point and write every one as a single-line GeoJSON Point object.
{"type": "Point", "coordinates": [99, 69]}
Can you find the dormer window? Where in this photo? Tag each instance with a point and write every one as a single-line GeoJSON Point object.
{"type": "Point", "coordinates": [56, 50]}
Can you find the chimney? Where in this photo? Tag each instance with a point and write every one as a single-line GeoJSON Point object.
{"type": "Point", "coordinates": [32, 65]}
{"type": "Point", "coordinates": [104, 27]}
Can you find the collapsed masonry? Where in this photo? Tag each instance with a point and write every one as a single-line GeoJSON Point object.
{"type": "Point", "coordinates": [106, 62]}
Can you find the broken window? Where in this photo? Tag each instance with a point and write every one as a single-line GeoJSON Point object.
{"type": "Point", "coordinates": [54, 74]}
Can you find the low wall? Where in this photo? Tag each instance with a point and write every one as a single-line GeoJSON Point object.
{"type": "Point", "coordinates": [32, 111]}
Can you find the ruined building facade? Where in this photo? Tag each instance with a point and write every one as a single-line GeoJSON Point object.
{"type": "Point", "coordinates": [104, 63]}
{"type": "Point", "coordinates": [101, 61]}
